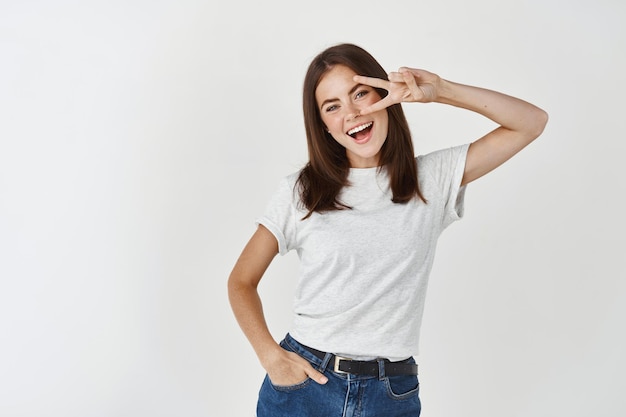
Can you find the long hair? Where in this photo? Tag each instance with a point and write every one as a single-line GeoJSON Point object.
{"type": "Point", "coordinates": [326, 172]}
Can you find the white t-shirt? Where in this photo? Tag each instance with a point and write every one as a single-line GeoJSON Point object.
{"type": "Point", "coordinates": [364, 271]}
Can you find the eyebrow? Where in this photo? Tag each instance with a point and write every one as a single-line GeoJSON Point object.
{"type": "Point", "coordinates": [330, 100]}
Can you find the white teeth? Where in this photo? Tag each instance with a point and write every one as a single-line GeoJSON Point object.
{"type": "Point", "coordinates": [359, 128]}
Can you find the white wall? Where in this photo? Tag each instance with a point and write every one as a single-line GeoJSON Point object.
{"type": "Point", "coordinates": [140, 139]}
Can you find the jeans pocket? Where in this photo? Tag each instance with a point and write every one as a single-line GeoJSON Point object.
{"type": "Point", "coordinates": [288, 388]}
{"type": "Point", "coordinates": [291, 387]}
{"type": "Point", "coordinates": [402, 387]}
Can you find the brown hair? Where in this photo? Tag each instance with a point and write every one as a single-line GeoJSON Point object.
{"type": "Point", "coordinates": [326, 173]}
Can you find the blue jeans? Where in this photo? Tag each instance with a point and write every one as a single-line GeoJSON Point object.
{"type": "Point", "coordinates": [344, 395]}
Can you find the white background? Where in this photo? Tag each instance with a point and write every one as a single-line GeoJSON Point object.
{"type": "Point", "coordinates": [139, 140]}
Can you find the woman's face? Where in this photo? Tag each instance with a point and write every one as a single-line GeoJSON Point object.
{"type": "Point", "coordinates": [340, 101]}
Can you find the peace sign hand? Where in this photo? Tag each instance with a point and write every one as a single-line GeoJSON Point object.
{"type": "Point", "coordinates": [404, 86]}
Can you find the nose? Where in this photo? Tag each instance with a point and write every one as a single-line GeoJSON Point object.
{"type": "Point", "coordinates": [353, 112]}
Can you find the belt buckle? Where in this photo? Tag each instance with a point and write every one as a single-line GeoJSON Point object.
{"type": "Point", "coordinates": [336, 367]}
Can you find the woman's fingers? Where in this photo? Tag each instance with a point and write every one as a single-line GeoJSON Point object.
{"type": "Point", "coordinates": [405, 85]}
{"type": "Point", "coordinates": [316, 375]}
{"type": "Point", "coordinates": [379, 105]}
{"type": "Point", "coordinates": [311, 372]}
{"type": "Point", "coordinates": [371, 81]}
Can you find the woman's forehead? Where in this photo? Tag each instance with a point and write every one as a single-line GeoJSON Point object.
{"type": "Point", "coordinates": [337, 80]}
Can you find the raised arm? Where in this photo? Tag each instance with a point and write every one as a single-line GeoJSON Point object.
{"type": "Point", "coordinates": [520, 122]}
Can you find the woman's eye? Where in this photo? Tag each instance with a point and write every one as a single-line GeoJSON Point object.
{"type": "Point", "coordinates": [361, 93]}
{"type": "Point", "coordinates": [331, 108]}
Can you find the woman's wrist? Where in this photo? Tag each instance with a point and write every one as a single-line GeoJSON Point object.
{"type": "Point", "coordinates": [446, 92]}
{"type": "Point", "coordinates": [269, 354]}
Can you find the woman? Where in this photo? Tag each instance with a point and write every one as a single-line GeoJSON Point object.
{"type": "Point", "coordinates": [364, 216]}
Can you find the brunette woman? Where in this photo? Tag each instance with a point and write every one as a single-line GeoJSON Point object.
{"type": "Point", "coordinates": [364, 215]}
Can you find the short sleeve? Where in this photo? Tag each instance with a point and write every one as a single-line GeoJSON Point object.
{"type": "Point", "coordinates": [445, 168]}
{"type": "Point", "coordinates": [280, 215]}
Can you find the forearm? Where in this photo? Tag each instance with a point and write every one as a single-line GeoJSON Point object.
{"type": "Point", "coordinates": [248, 310]}
{"type": "Point", "coordinates": [509, 112]}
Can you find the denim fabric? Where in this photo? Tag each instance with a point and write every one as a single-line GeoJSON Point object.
{"type": "Point", "coordinates": [344, 395]}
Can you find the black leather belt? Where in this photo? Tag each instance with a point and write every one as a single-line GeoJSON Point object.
{"type": "Point", "coordinates": [348, 366]}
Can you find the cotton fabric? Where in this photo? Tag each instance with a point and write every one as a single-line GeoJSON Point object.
{"type": "Point", "coordinates": [364, 271]}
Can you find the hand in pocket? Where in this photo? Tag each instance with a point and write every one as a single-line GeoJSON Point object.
{"type": "Point", "coordinates": [291, 369]}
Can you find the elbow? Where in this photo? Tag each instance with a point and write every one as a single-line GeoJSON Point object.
{"type": "Point", "coordinates": [234, 286]}
{"type": "Point", "coordinates": [539, 123]}
{"type": "Point", "coordinates": [238, 285]}
{"type": "Point", "coordinates": [234, 290]}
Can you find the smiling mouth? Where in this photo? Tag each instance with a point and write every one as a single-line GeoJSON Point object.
{"type": "Point", "coordinates": [362, 130]}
